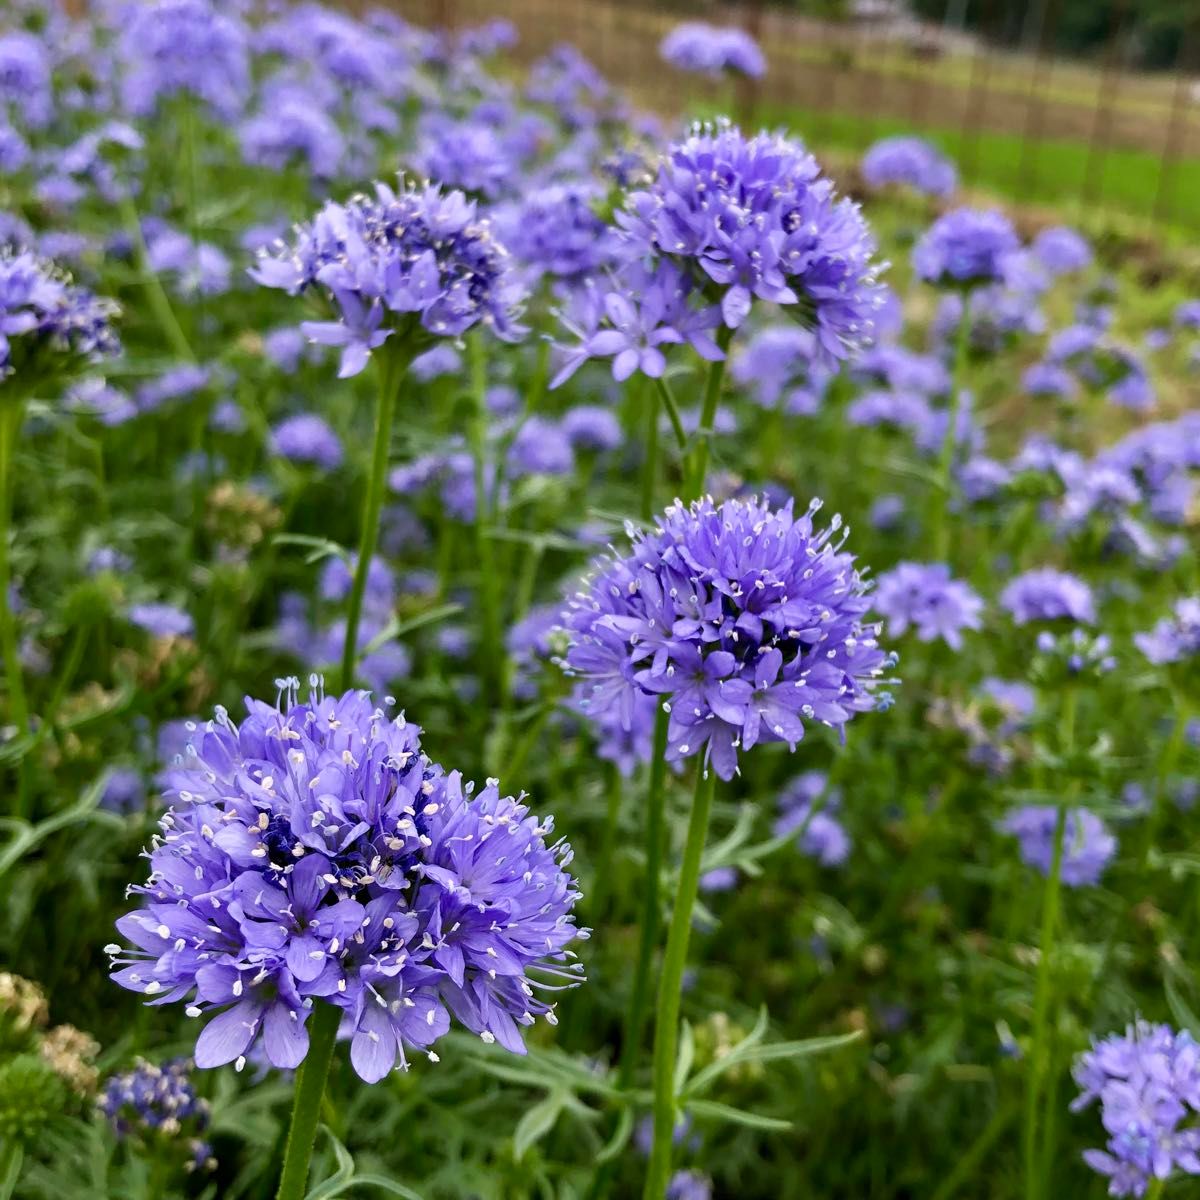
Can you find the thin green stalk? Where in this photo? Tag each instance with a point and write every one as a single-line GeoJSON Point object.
{"type": "Point", "coordinates": [670, 405]}
{"type": "Point", "coordinates": [1167, 764]}
{"type": "Point", "coordinates": [489, 601]}
{"type": "Point", "coordinates": [10, 425]}
{"type": "Point", "coordinates": [1156, 1189]}
{"type": "Point", "coordinates": [650, 465]}
{"type": "Point", "coordinates": [975, 1153]}
{"type": "Point", "coordinates": [698, 467]}
{"type": "Point", "coordinates": [608, 844]}
{"type": "Point", "coordinates": [160, 304]}
{"type": "Point", "coordinates": [635, 1017]}
{"type": "Point", "coordinates": [939, 530]}
{"type": "Point", "coordinates": [670, 988]}
{"type": "Point", "coordinates": [306, 1106]}
{"type": "Point", "coordinates": [392, 366]}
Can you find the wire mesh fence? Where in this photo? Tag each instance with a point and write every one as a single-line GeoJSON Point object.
{"type": "Point", "coordinates": [1019, 118]}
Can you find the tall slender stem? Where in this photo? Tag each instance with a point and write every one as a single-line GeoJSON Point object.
{"type": "Point", "coordinates": [489, 603]}
{"type": "Point", "coordinates": [635, 1018]}
{"type": "Point", "coordinates": [650, 465]}
{"type": "Point", "coordinates": [10, 425]}
{"type": "Point", "coordinates": [940, 531]}
{"type": "Point", "coordinates": [670, 987]}
{"type": "Point", "coordinates": [1168, 761]}
{"type": "Point", "coordinates": [393, 364]}
{"type": "Point", "coordinates": [698, 467]}
{"type": "Point", "coordinates": [1041, 1001]}
{"type": "Point", "coordinates": [306, 1107]}
{"type": "Point", "coordinates": [663, 388]}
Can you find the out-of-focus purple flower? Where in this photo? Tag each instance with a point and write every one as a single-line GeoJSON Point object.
{"type": "Point", "coordinates": [109, 405]}
{"type": "Point", "coordinates": [983, 478]}
{"type": "Point", "coordinates": [228, 417]}
{"type": "Point", "coordinates": [1014, 698]}
{"type": "Point", "coordinates": [441, 360]}
{"type": "Point", "coordinates": [108, 558]}
{"type": "Point", "coordinates": [753, 218]}
{"type": "Point", "coordinates": [719, 879]}
{"type": "Point", "coordinates": [924, 596]}
{"type": "Point", "coordinates": [162, 620]}
{"type": "Point", "coordinates": [1049, 379]}
{"type": "Point", "coordinates": [1187, 315]}
{"type": "Point", "coordinates": [823, 836]}
{"type": "Point", "coordinates": [904, 410]}
{"type": "Point", "coordinates": [541, 447]}
{"type": "Point", "coordinates": [1088, 846]}
{"type": "Point", "coordinates": [712, 50]}
{"type": "Point", "coordinates": [903, 370]}
{"type": "Point", "coordinates": [1148, 1085]}
{"type": "Point", "coordinates": [1072, 654]}
{"type": "Point", "coordinates": [25, 77]}
{"type": "Point", "coordinates": [418, 263]}
{"type": "Point", "coordinates": [307, 438]}
{"type": "Point", "coordinates": [124, 791]}
{"type": "Point", "coordinates": [348, 868]}
{"type": "Point", "coordinates": [176, 383]}
{"type": "Point", "coordinates": [689, 1185]}
{"type": "Point", "coordinates": [911, 162]}
{"type": "Point", "coordinates": [201, 268]}
{"type": "Point", "coordinates": [1062, 250]}
{"type": "Point", "coordinates": [555, 231]}
{"type": "Point", "coordinates": [745, 620]}
{"type": "Point", "coordinates": [965, 248]}
{"type": "Point", "coordinates": [159, 1100]}
{"type": "Point", "coordinates": [1044, 594]}
{"type": "Point", "coordinates": [1173, 639]}
{"type": "Point", "coordinates": [292, 130]}
{"type": "Point", "coordinates": [777, 367]}
{"type": "Point", "coordinates": [468, 155]}
{"type": "Point", "coordinates": [886, 512]}
{"type": "Point", "coordinates": [592, 427]}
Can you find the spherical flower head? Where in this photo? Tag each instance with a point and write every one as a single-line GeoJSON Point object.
{"type": "Point", "coordinates": [26, 77]}
{"type": "Point", "coordinates": [1049, 379]}
{"type": "Point", "coordinates": [313, 852]}
{"type": "Point", "coordinates": [910, 162]}
{"type": "Point", "coordinates": [540, 447]}
{"type": "Point", "coordinates": [746, 622]}
{"type": "Point", "coordinates": [1174, 639]}
{"type": "Point", "coordinates": [49, 327]}
{"type": "Point", "coordinates": [777, 367]}
{"type": "Point", "coordinates": [1088, 846]}
{"type": "Point", "coordinates": [170, 47]}
{"type": "Point", "coordinates": [1062, 250]}
{"type": "Point", "coordinates": [124, 791]}
{"type": "Point", "coordinates": [1148, 1084]}
{"type": "Point", "coordinates": [924, 596]}
{"type": "Point", "coordinates": [964, 248]}
{"type": "Point", "coordinates": [1044, 594]}
{"type": "Point", "coordinates": [293, 131]}
{"type": "Point", "coordinates": [555, 231]}
{"type": "Point", "coordinates": [689, 1185]}
{"type": "Point", "coordinates": [162, 620]}
{"type": "Point", "coordinates": [591, 427]}
{"type": "Point", "coordinates": [417, 264]}
{"type": "Point", "coordinates": [753, 218]}
{"type": "Point", "coordinates": [712, 50]}
{"type": "Point", "coordinates": [307, 439]}
{"type": "Point", "coordinates": [807, 809]}
{"type": "Point", "coordinates": [153, 1099]}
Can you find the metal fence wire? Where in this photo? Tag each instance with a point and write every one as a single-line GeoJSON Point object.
{"type": "Point", "coordinates": [1019, 118]}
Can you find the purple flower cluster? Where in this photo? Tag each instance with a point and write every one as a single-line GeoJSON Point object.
{"type": "Point", "coordinates": [911, 162]}
{"type": "Point", "coordinates": [153, 1097]}
{"type": "Point", "coordinates": [1062, 250]}
{"type": "Point", "coordinates": [818, 832]}
{"type": "Point", "coordinates": [418, 263]}
{"type": "Point", "coordinates": [965, 248]}
{"type": "Point", "coordinates": [1088, 847]}
{"type": "Point", "coordinates": [314, 853]}
{"type": "Point", "coordinates": [753, 218]}
{"type": "Point", "coordinates": [307, 438]}
{"type": "Point", "coordinates": [1174, 639]}
{"type": "Point", "coordinates": [713, 50]}
{"type": "Point", "coordinates": [1044, 594]}
{"type": "Point", "coordinates": [47, 323]}
{"type": "Point", "coordinates": [555, 232]}
{"type": "Point", "coordinates": [925, 596]}
{"type": "Point", "coordinates": [776, 366]}
{"type": "Point", "coordinates": [1148, 1083]}
{"type": "Point", "coordinates": [744, 619]}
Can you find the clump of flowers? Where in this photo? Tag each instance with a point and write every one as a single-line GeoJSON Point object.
{"type": "Point", "coordinates": [1088, 846]}
{"type": "Point", "coordinates": [1045, 594]}
{"type": "Point", "coordinates": [925, 597]}
{"type": "Point", "coordinates": [1148, 1083]}
{"type": "Point", "coordinates": [416, 263]}
{"type": "Point", "coordinates": [48, 325]}
{"type": "Point", "coordinates": [1062, 250]}
{"type": "Point", "coordinates": [713, 50]}
{"type": "Point", "coordinates": [1176, 638]}
{"type": "Point", "coordinates": [746, 621]}
{"type": "Point", "coordinates": [753, 218]}
{"type": "Point", "coordinates": [808, 808]}
{"type": "Point", "coordinates": [314, 853]}
{"type": "Point", "coordinates": [154, 1101]}
{"type": "Point", "coordinates": [1068, 657]}
{"type": "Point", "coordinates": [911, 162]}
{"type": "Point", "coordinates": [965, 248]}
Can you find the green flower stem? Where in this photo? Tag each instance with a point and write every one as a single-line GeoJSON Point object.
{"type": "Point", "coordinates": [1156, 1189]}
{"type": "Point", "coordinates": [670, 988]}
{"type": "Point", "coordinates": [635, 1017]}
{"type": "Point", "coordinates": [698, 467]}
{"type": "Point", "coordinates": [1167, 764]}
{"type": "Point", "coordinates": [159, 302]}
{"type": "Point", "coordinates": [392, 366]}
{"type": "Point", "coordinates": [489, 601]}
{"type": "Point", "coordinates": [965, 1168]}
{"type": "Point", "coordinates": [11, 418]}
{"type": "Point", "coordinates": [650, 465]}
{"type": "Point", "coordinates": [306, 1106]}
{"type": "Point", "coordinates": [602, 888]}
{"type": "Point", "coordinates": [939, 529]}
{"type": "Point", "coordinates": [1039, 1049]}
{"type": "Point", "coordinates": [663, 388]}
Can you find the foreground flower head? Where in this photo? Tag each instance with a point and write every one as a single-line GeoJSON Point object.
{"type": "Point", "coordinates": [912, 162]}
{"type": "Point", "coordinates": [313, 852]}
{"type": "Point", "coordinates": [1088, 847]}
{"type": "Point", "coordinates": [417, 263]}
{"type": "Point", "coordinates": [966, 247]}
{"type": "Point", "coordinates": [1148, 1083]}
{"type": "Point", "coordinates": [713, 50]}
{"type": "Point", "coordinates": [48, 325]}
{"type": "Point", "coordinates": [745, 620]}
{"type": "Point", "coordinates": [753, 218]}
